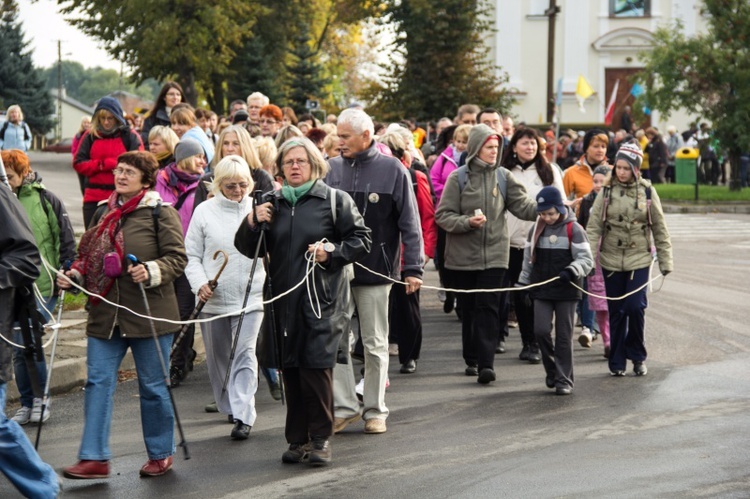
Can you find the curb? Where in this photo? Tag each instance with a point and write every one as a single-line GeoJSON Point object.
{"type": "Point", "coordinates": [743, 209]}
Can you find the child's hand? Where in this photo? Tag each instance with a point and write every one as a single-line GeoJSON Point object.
{"type": "Point", "coordinates": [567, 276]}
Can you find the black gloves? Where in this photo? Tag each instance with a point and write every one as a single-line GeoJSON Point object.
{"type": "Point", "coordinates": [567, 276]}
{"type": "Point", "coordinates": [665, 273]}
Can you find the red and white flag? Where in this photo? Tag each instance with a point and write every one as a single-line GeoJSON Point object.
{"type": "Point", "coordinates": [610, 113]}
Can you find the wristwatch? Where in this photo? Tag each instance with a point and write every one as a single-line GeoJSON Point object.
{"type": "Point", "coordinates": [329, 247]}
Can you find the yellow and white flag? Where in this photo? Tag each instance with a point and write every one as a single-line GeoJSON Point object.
{"type": "Point", "coordinates": [583, 92]}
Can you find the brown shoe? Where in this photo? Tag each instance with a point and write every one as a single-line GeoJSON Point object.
{"type": "Point", "coordinates": [375, 425]}
{"type": "Point", "coordinates": [340, 423]}
{"type": "Point", "coordinates": [297, 453]}
{"type": "Point", "coordinates": [87, 470]}
{"type": "Point", "coordinates": [156, 467]}
{"type": "Point", "coordinates": [320, 452]}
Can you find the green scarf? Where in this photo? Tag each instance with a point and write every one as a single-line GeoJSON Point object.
{"type": "Point", "coordinates": [293, 194]}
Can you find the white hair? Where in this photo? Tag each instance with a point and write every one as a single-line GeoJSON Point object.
{"type": "Point", "coordinates": [259, 96]}
{"type": "Point", "coordinates": [671, 129]}
{"type": "Point", "coordinates": [358, 120]}
{"type": "Point", "coordinates": [231, 167]}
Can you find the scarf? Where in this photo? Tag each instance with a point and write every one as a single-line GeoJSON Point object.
{"type": "Point", "coordinates": [162, 156]}
{"type": "Point", "coordinates": [180, 181]}
{"type": "Point", "coordinates": [293, 194]}
{"type": "Point", "coordinates": [105, 237]}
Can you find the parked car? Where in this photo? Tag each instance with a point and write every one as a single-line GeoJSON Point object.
{"type": "Point", "coordinates": [63, 146]}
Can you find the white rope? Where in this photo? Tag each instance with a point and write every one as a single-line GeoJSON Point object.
{"type": "Point", "coordinates": [310, 270]}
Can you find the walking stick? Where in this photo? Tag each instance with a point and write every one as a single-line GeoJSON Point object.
{"type": "Point", "coordinates": [165, 372]}
{"type": "Point", "coordinates": [201, 303]}
{"type": "Point", "coordinates": [236, 337]}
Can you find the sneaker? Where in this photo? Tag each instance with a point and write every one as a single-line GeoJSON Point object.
{"type": "Point", "coordinates": [524, 355]}
{"type": "Point", "coordinates": [339, 424]}
{"type": "Point", "coordinates": [359, 390]}
{"type": "Point", "coordinates": [375, 425]}
{"type": "Point", "coordinates": [500, 347]}
{"type": "Point", "coordinates": [320, 452]}
{"type": "Point", "coordinates": [441, 296]}
{"type": "Point", "coordinates": [535, 355]}
{"type": "Point", "coordinates": [23, 415]}
{"type": "Point", "coordinates": [618, 373]}
{"type": "Point", "coordinates": [640, 369]}
{"type": "Point", "coordinates": [585, 337]}
{"type": "Point", "coordinates": [36, 412]}
{"type": "Point", "coordinates": [241, 431]}
{"type": "Point", "coordinates": [512, 324]}
{"type": "Point", "coordinates": [211, 407]}
{"type": "Point", "coordinates": [393, 349]}
{"type": "Point", "coordinates": [87, 470]}
{"type": "Point", "coordinates": [156, 467]}
{"type": "Point", "coordinates": [486, 375]}
{"type": "Point", "coordinates": [297, 453]}
{"type": "Point", "coordinates": [275, 388]}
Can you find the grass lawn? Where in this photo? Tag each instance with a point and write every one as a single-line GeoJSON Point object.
{"type": "Point", "coordinates": [706, 193]}
{"type": "Point", "coordinates": [75, 301]}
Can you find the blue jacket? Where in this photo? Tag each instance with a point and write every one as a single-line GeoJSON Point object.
{"type": "Point", "coordinates": [198, 134]}
{"type": "Point", "coordinates": [14, 136]}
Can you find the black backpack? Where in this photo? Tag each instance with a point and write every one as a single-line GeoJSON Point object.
{"type": "Point", "coordinates": [23, 125]}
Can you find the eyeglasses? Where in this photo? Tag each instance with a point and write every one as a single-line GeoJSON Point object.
{"type": "Point", "coordinates": [300, 162]}
{"type": "Point", "coordinates": [127, 172]}
{"type": "Point", "coordinates": [268, 122]}
{"type": "Point", "coordinates": [174, 94]}
{"type": "Point", "coordinates": [241, 185]}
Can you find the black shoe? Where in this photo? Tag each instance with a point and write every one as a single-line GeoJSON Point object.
{"type": "Point", "coordinates": [297, 453]}
{"type": "Point", "coordinates": [449, 304]}
{"type": "Point", "coordinates": [193, 355]}
{"type": "Point", "coordinates": [524, 355]}
{"type": "Point", "coordinates": [459, 313]}
{"type": "Point", "coordinates": [618, 373]}
{"type": "Point", "coordinates": [563, 390]}
{"type": "Point", "coordinates": [486, 375]}
{"type": "Point", "coordinates": [230, 418]}
{"type": "Point", "coordinates": [176, 376]}
{"type": "Point", "coordinates": [471, 371]}
{"type": "Point", "coordinates": [409, 368]}
{"type": "Point", "coordinates": [500, 347]}
{"type": "Point", "coordinates": [240, 431]}
{"type": "Point", "coordinates": [535, 355]}
{"type": "Point", "coordinates": [320, 452]}
{"type": "Point", "coordinates": [275, 389]}
{"type": "Point", "coordinates": [640, 369]}
{"type": "Point", "coordinates": [550, 381]}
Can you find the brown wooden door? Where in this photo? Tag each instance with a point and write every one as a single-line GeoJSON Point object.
{"type": "Point", "coordinates": [624, 97]}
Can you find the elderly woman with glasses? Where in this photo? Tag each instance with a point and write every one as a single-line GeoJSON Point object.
{"type": "Point", "coordinates": [304, 220]}
{"type": "Point", "coordinates": [208, 234]}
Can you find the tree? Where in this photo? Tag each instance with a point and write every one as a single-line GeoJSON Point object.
{"type": "Point", "coordinates": [194, 41]}
{"type": "Point", "coordinates": [305, 80]}
{"type": "Point", "coordinates": [20, 82]}
{"type": "Point", "coordinates": [706, 74]}
{"type": "Point", "coordinates": [438, 61]}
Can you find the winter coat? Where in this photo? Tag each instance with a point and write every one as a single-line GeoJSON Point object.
{"type": "Point", "coordinates": [549, 251]}
{"type": "Point", "coordinates": [262, 179]}
{"type": "Point", "coordinates": [163, 252]}
{"type": "Point", "coordinates": [426, 209]}
{"type": "Point", "coordinates": [184, 199]}
{"type": "Point", "coordinates": [467, 248]}
{"type": "Point", "coordinates": [518, 229]}
{"type": "Point", "coordinates": [621, 235]}
{"type": "Point", "coordinates": [383, 194]}
{"type": "Point", "coordinates": [15, 136]}
{"type": "Point", "coordinates": [578, 180]}
{"type": "Point", "coordinates": [161, 118]}
{"type": "Point", "coordinates": [213, 227]}
{"type": "Point", "coordinates": [596, 287]}
{"type": "Point", "coordinates": [305, 340]}
{"type": "Point", "coordinates": [658, 155]}
{"type": "Point", "coordinates": [53, 232]}
{"type": "Point", "coordinates": [97, 157]}
{"type": "Point", "coordinates": [441, 168]}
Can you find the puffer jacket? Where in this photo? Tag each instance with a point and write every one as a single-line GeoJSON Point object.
{"type": "Point", "coordinates": [212, 228]}
{"type": "Point", "coordinates": [165, 261]}
{"type": "Point", "coordinates": [549, 251]}
{"type": "Point", "coordinates": [621, 235]}
{"type": "Point", "coordinates": [51, 226]}
{"type": "Point", "coordinates": [305, 340]}
{"type": "Point", "coordinates": [467, 248]}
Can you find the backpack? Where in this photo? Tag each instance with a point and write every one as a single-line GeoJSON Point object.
{"type": "Point", "coordinates": [23, 125]}
{"type": "Point", "coordinates": [502, 179]}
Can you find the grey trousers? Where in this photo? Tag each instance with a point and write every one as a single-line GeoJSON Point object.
{"type": "Point", "coordinates": [558, 360]}
{"type": "Point", "coordinates": [239, 398]}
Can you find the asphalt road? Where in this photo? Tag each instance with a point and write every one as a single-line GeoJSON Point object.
{"type": "Point", "coordinates": [681, 431]}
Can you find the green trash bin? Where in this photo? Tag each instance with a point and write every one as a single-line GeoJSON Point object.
{"type": "Point", "coordinates": [685, 165]}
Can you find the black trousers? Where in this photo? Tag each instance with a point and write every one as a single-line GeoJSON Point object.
{"type": "Point", "coordinates": [480, 326]}
{"type": "Point", "coordinates": [405, 323]}
{"type": "Point", "coordinates": [186, 303]}
{"type": "Point", "coordinates": [524, 308]}
{"type": "Point", "coordinates": [309, 404]}
{"type": "Point", "coordinates": [89, 208]}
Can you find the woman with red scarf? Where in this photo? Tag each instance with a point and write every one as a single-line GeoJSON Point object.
{"type": "Point", "coordinates": [134, 221]}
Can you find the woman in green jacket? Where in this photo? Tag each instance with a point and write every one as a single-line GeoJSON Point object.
{"type": "Point", "coordinates": [624, 219]}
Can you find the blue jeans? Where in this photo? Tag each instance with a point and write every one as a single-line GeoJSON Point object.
{"type": "Point", "coordinates": [20, 462]}
{"type": "Point", "coordinates": [585, 314]}
{"type": "Point", "coordinates": [157, 418]}
{"type": "Point", "coordinates": [21, 372]}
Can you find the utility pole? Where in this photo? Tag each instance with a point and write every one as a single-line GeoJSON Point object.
{"type": "Point", "coordinates": [58, 132]}
{"type": "Point", "coordinates": [551, 13]}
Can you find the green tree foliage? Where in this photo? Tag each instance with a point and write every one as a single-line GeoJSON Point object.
{"type": "Point", "coordinates": [306, 81]}
{"type": "Point", "coordinates": [20, 82]}
{"type": "Point", "coordinates": [162, 39]}
{"type": "Point", "coordinates": [439, 61]}
{"type": "Point", "coordinates": [706, 74]}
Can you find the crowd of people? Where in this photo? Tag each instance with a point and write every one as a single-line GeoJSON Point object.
{"type": "Point", "coordinates": [355, 209]}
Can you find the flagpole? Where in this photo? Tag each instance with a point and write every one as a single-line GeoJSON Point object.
{"type": "Point", "coordinates": [558, 105]}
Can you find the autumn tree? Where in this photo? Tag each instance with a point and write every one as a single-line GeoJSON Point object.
{"type": "Point", "coordinates": [706, 74]}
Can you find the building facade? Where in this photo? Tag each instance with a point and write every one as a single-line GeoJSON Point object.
{"type": "Point", "coordinates": [599, 39]}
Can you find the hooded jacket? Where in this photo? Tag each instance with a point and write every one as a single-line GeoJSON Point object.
{"type": "Point", "coordinates": [621, 235]}
{"type": "Point", "coordinates": [549, 251]}
{"type": "Point", "coordinates": [467, 248]}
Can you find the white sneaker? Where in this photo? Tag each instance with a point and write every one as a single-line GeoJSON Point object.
{"type": "Point", "coordinates": [360, 389]}
{"type": "Point", "coordinates": [36, 411]}
{"type": "Point", "coordinates": [22, 415]}
{"type": "Point", "coordinates": [585, 337]}
{"type": "Point", "coordinates": [441, 295]}
{"type": "Point", "coordinates": [393, 349]}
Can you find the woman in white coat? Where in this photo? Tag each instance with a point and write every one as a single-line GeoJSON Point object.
{"type": "Point", "coordinates": [212, 228]}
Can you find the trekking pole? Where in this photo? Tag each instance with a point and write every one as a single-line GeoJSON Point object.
{"type": "Point", "coordinates": [201, 303]}
{"type": "Point", "coordinates": [236, 337]}
{"type": "Point", "coordinates": [45, 396]}
{"type": "Point", "coordinates": [165, 372]}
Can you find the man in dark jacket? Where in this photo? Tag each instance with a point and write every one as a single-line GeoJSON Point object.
{"type": "Point", "coordinates": [382, 191]}
{"type": "Point", "coordinates": [19, 267]}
